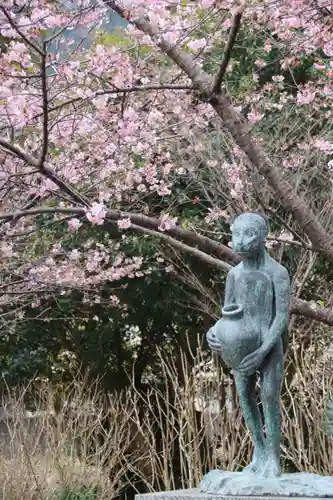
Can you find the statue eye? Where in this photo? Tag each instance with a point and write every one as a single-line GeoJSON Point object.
{"type": "Point", "coordinates": [236, 234]}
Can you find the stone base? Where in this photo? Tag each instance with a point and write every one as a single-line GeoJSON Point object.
{"type": "Point", "coordinates": [304, 485]}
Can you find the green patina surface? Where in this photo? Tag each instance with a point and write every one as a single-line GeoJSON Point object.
{"type": "Point", "coordinates": [252, 337]}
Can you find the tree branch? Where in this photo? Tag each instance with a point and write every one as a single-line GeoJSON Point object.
{"type": "Point", "coordinates": [174, 237]}
{"type": "Point", "coordinates": [211, 261]}
{"type": "Point", "coordinates": [20, 153]}
{"type": "Point", "coordinates": [227, 53]}
{"type": "Point", "coordinates": [22, 35]}
{"type": "Point", "coordinates": [303, 308]}
{"type": "Point", "coordinates": [144, 88]}
{"type": "Point", "coordinates": [123, 90]}
{"type": "Point", "coordinates": [31, 160]}
{"type": "Point", "coordinates": [206, 244]}
{"type": "Point", "coordinates": [282, 190]}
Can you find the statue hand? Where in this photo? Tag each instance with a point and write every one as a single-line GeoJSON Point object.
{"type": "Point", "coordinates": [212, 341]}
{"type": "Point", "coordinates": [251, 362]}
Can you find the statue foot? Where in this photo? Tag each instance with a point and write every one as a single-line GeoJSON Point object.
{"type": "Point", "coordinates": [257, 463]}
{"type": "Point", "coordinates": [270, 468]}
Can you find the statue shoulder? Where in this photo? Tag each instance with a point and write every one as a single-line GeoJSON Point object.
{"type": "Point", "coordinates": [236, 270]}
{"type": "Point", "coordinates": [277, 270]}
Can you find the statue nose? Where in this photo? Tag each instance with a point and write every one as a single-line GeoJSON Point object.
{"type": "Point", "coordinates": [240, 243]}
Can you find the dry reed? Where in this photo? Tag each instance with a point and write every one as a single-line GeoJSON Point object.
{"type": "Point", "coordinates": [167, 437]}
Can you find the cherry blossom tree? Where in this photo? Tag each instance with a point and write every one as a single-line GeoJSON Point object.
{"type": "Point", "coordinates": [92, 137]}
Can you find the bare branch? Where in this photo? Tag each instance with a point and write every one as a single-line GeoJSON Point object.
{"type": "Point", "coordinates": [41, 210]}
{"type": "Point", "coordinates": [143, 88]}
{"type": "Point", "coordinates": [123, 90]}
{"type": "Point", "coordinates": [227, 53]}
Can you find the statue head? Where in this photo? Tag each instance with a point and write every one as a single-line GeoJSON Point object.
{"type": "Point", "coordinates": [249, 232]}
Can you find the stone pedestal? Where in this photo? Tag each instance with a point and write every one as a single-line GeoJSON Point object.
{"type": "Point", "coordinates": [196, 494]}
{"type": "Point", "coordinates": [241, 485]}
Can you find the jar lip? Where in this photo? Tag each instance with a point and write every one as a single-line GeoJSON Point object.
{"type": "Point", "coordinates": [232, 310]}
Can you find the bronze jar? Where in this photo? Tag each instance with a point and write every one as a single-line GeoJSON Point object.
{"type": "Point", "coordinates": [237, 334]}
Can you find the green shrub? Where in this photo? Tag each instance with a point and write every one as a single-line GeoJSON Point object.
{"type": "Point", "coordinates": [75, 493]}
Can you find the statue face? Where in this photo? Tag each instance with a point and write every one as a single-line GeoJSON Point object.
{"type": "Point", "coordinates": [247, 236]}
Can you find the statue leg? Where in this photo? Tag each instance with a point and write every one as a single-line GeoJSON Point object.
{"type": "Point", "coordinates": [271, 379]}
{"type": "Point", "coordinates": [247, 398]}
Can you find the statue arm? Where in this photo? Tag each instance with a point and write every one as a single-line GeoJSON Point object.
{"type": "Point", "coordinates": [281, 283]}
{"type": "Point", "coordinates": [229, 293]}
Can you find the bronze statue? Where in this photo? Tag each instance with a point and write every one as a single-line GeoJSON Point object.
{"type": "Point", "coordinates": [252, 337]}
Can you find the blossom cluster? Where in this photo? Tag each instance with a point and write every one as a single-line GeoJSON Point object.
{"type": "Point", "coordinates": [109, 115]}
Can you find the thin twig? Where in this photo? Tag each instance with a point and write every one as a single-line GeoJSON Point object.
{"type": "Point", "coordinates": [32, 161]}
{"type": "Point", "coordinates": [22, 35]}
{"type": "Point", "coordinates": [227, 53]}
{"type": "Point", "coordinates": [114, 91]}
{"type": "Point", "coordinates": [290, 229]}
{"type": "Point", "coordinates": [123, 90]}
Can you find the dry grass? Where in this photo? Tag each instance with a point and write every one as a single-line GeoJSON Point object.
{"type": "Point", "coordinates": [306, 443]}
{"type": "Point", "coordinates": [67, 445]}
{"type": "Point", "coordinates": [167, 437]}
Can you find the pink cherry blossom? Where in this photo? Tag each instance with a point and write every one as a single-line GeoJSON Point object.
{"type": "Point", "coordinates": [215, 214]}
{"type": "Point", "coordinates": [207, 4]}
{"type": "Point", "coordinates": [319, 66]}
{"type": "Point", "coordinates": [110, 149]}
{"type": "Point", "coordinates": [74, 224]}
{"type": "Point", "coordinates": [114, 300]}
{"type": "Point", "coordinates": [167, 223]}
{"type": "Point", "coordinates": [197, 44]}
{"type": "Point", "coordinates": [254, 116]}
{"type": "Point", "coordinates": [96, 213]}
{"type": "Point", "coordinates": [278, 78]}
{"type": "Point", "coordinates": [324, 145]}
{"type": "Point", "coordinates": [6, 249]}
{"type": "Point", "coordinates": [306, 96]}
{"type": "Point", "coordinates": [124, 223]}
{"type": "Point", "coordinates": [328, 48]}
{"type": "Point", "coordinates": [260, 63]}
{"type": "Point", "coordinates": [268, 46]}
